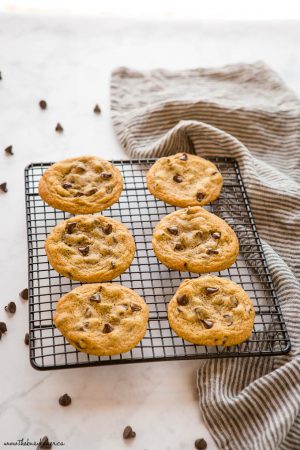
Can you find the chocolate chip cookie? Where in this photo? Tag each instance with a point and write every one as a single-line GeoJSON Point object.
{"type": "Point", "coordinates": [102, 319]}
{"type": "Point", "coordinates": [90, 248]}
{"type": "Point", "coordinates": [195, 240]}
{"type": "Point", "coordinates": [82, 185]}
{"type": "Point", "coordinates": [211, 311]}
{"type": "Point", "coordinates": [184, 180]}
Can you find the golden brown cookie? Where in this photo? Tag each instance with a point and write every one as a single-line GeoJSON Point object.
{"type": "Point", "coordinates": [90, 248]}
{"type": "Point", "coordinates": [102, 319]}
{"type": "Point", "coordinates": [195, 240]}
{"type": "Point", "coordinates": [211, 311]}
{"type": "Point", "coordinates": [184, 180]}
{"type": "Point", "coordinates": [82, 185]}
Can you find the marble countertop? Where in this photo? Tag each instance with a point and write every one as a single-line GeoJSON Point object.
{"type": "Point", "coordinates": [68, 61]}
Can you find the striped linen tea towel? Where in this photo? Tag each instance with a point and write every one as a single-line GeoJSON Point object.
{"type": "Point", "coordinates": [243, 111]}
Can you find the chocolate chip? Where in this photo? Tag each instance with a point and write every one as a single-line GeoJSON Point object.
{"type": "Point", "coordinates": [106, 175]}
{"type": "Point", "coordinates": [66, 185]}
{"type": "Point", "coordinates": [207, 323]}
{"type": "Point", "coordinates": [24, 294]}
{"type": "Point", "coordinates": [183, 157]}
{"type": "Point", "coordinates": [177, 178]}
{"type": "Point", "coordinates": [211, 290]}
{"type": "Point", "coordinates": [107, 328]}
{"type": "Point", "coordinates": [9, 150]}
{"type": "Point", "coordinates": [79, 194]}
{"type": "Point", "coordinates": [95, 298]}
{"type": "Point", "coordinates": [182, 300]}
{"type": "Point", "coordinates": [84, 250]}
{"type": "Point", "coordinates": [43, 104]}
{"type": "Point", "coordinates": [107, 229]}
{"type": "Point", "coordinates": [134, 307]}
{"type": "Point", "coordinates": [3, 328]}
{"type": "Point", "coordinates": [200, 196]}
{"type": "Point", "coordinates": [109, 189]}
{"type": "Point", "coordinates": [200, 444]}
{"type": "Point", "coordinates": [59, 128]}
{"type": "Point", "coordinates": [11, 307]}
{"type": "Point", "coordinates": [44, 443]}
{"type": "Point", "coordinates": [173, 230]}
{"type": "Point", "coordinates": [26, 339]}
{"type": "Point", "coordinates": [65, 400]}
{"type": "Point", "coordinates": [70, 227]}
{"type": "Point", "coordinates": [128, 433]}
{"type": "Point", "coordinates": [92, 191]}
{"type": "Point", "coordinates": [216, 235]}
{"type": "Point", "coordinates": [97, 109]}
{"type": "Point", "coordinates": [178, 246]}
{"type": "Point", "coordinates": [3, 187]}
{"type": "Point", "coordinates": [211, 251]}
{"type": "Point", "coordinates": [228, 318]}
{"type": "Point", "coordinates": [199, 234]}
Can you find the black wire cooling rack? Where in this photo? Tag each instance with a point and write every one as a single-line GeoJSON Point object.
{"type": "Point", "coordinates": [140, 212]}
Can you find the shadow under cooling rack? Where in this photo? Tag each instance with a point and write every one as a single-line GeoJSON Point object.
{"type": "Point", "coordinates": [140, 212]}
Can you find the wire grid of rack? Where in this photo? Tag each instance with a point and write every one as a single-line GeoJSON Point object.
{"type": "Point", "coordinates": [140, 212]}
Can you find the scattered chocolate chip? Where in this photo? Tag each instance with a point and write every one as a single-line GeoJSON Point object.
{"type": "Point", "coordinates": [70, 227]}
{"type": "Point", "coordinates": [199, 234]}
{"type": "Point", "coordinates": [183, 157]}
{"type": "Point", "coordinates": [24, 294]}
{"type": "Point", "coordinates": [43, 104]}
{"type": "Point", "coordinates": [59, 128]}
{"type": "Point", "coordinates": [178, 246]}
{"type": "Point", "coordinates": [109, 189]}
{"type": "Point", "coordinates": [44, 443]}
{"type": "Point", "coordinates": [106, 175]}
{"type": "Point", "coordinates": [185, 265]}
{"type": "Point", "coordinates": [107, 328]}
{"type": "Point", "coordinates": [95, 298]}
{"type": "Point", "coordinates": [211, 251]}
{"type": "Point", "coordinates": [207, 323]}
{"type": "Point", "coordinates": [9, 150]}
{"type": "Point", "coordinates": [182, 300]}
{"type": "Point", "coordinates": [107, 229]}
{"type": "Point", "coordinates": [92, 191]}
{"type": "Point", "coordinates": [84, 250]}
{"type": "Point", "coordinates": [200, 444]}
{"type": "Point", "coordinates": [79, 194]}
{"type": "Point", "coordinates": [216, 235]}
{"type": "Point", "coordinates": [11, 307]}
{"type": "Point", "coordinates": [134, 307]}
{"type": "Point", "coordinates": [200, 196]}
{"type": "Point", "coordinates": [173, 230]}
{"type": "Point", "coordinates": [97, 109]}
{"type": "Point", "coordinates": [3, 187]}
{"type": "Point", "coordinates": [128, 433]}
{"type": "Point", "coordinates": [211, 290]}
{"type": "Point", "coordinates": [26, 339]}
{"type": "Point", "coordinates": [3, 327]}
{"type": "Point", "coordinates": [65, 400]}
{"type": "Point", "coordinates": [177, 178]}
{"type": "Point", "coordinates": [66, 185]}
{"type": "Point", "coordinates": [228, 318]}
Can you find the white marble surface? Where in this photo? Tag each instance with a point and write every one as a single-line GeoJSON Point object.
{"type": "Point", "coordinates": [67, 61]}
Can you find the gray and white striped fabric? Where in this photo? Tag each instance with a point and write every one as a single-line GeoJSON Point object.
{"type": "Point", "coordinates": [244, 111]}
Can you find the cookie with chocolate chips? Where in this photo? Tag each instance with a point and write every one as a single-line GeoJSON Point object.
{"type": "Point", "coordinates": [113, 323]}
{"type": "Point", "coordinates": [184, 180]}
{"type": "Point", "coordinates": [82, 185]}
{"type": "Point", "coordinates": [195, 240]}
{"type": "Point", "coordinates": [216, 311]}
{"type": "Point", "coordinates": [90, 248]}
